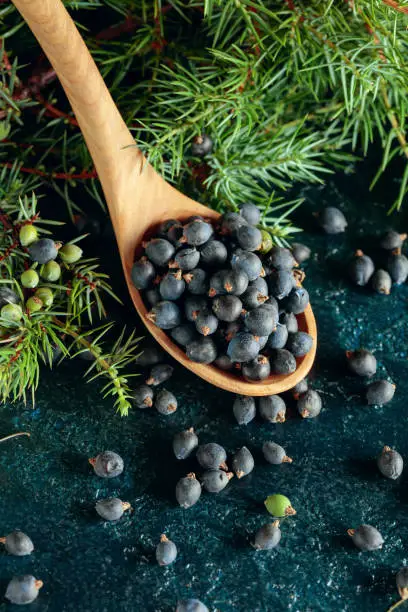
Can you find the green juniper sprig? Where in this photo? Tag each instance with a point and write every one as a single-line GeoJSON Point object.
{"type": "Point", "coordinates": [48, 315]}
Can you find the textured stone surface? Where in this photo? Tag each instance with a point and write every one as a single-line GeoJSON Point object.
{"type": "Point", "coordinates": [48, 489]}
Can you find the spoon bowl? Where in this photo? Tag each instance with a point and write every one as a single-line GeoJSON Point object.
{"type": "Point", "coordinates": [138, 198]}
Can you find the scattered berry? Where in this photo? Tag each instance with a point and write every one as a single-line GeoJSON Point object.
{"type": "Point", "coordinates": [275, 454]}
{"type": "Point", "coordinates": [392, 240]}
{"type": "Point", "coordinates": [361, 268]}
{"type": "Point", "coordinates": [267, 537]}
{"type": "Point", "coordinates": [361, 362]}
{"type": "Point", "coordinates": [215, 481]}
{"type": "Point", "coordinates": [43, 251]}
{"type": "Point", "coordinates": [242, 462]}
{"type": "Point", "coordinates": [211, 456]}
{"type": "Point", "coordinates": [397, 266]}
{"type": "Point", "coordinates": [244, 409]}
{"type": "Point", "coordinates": [309, 404]}
{"type": "Point", "coordinates": [17, 543]}
{"type": "Point", "coordinates": [107, 464]}
{"type": "Point", "coordinates": [381, 282]}
{"type": "Point", "coordinates": [159, 374]}
{"type": "Point", "coordinates": [150, 355]}
{"type": "Point", "coordinates": [23, 590]}
{"type": "Point", "coordinates": [165, 402]}
{"type": "Point", "coordinates": [111, 509]}
{"type": "Point", "coordinates": [380, 392]}
{"type": "Point", "coordinates": [390, 463]}
{"type": "Point", "coordinates": [272, 408]}
{"type": "Point", "coordinates": [279, 506]}
{"type": "Point", "coordinates": [402, 583]}
{"type": "Point", "coordinates": [188, 491]}
{"type": "Point", "coordinates": [143, 397]}
{"type": "Point", "coordinates": [191, 605]}
{"type": "Point", "coordinates": [166, 551]}
{"type": "Point", "coordinates": [184, 443]}
{"type": "Point", "coordinates": [332, 220]}
{"type": "Point", "coordinates": [366, 538]}
{"type": "Point", "coordinates": [300, 388]}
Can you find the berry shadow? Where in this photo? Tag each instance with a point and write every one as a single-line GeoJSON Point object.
{"type": "Point", "coordinates": [342, 542]}
{"type": "Point", "coordinates": [165, 466]}
{"type": "Point", "coordinates": [241, 541]}
{"type": "Point", "coordinates": [75, 462]}
{"type": "Point", "coordinates": [364, 469]}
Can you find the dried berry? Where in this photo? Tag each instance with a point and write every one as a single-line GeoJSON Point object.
{"type": "Point", "coordinates": [309, 404]}
{"type": "Point", "coordinates": [17, 543]}
{"type": "Point", "coordinates": [279, 505]}
{"type": "Point", "coordinates": [267, 537]}
{"type": "Point", "coordinates": [381, 282]}
{"type": "Point", "coordinates": [244, 409]}
{"type": "Point", "coordinates": [111, 509]}
{"type": "Point", "coordinates": [332, 220]}
{"type": "Point", "coordinates": [299, 344]}
{"type": "Point", "coordinates": [242, 462]}
{"type": "Point", "coordinates": [361, 268]}
{"type": "Point", "coordinates": [282, 362]}
{"type": "Point", "coordinates": [165, 402]}
{"type": "Point", "coordinates": [257, 369]}
{"type": "Point", "coordinates": [300, 252]}
{"type": "Point", "coordinates": [272, 408]}
{"type": "Point", "coordinates": [188, 491]}
{"type": "Point", "coordinates": [160, 373]}
{"type": "Point", "coordinates": [211, 456]}
{"type": "Point", "coordinates": [143, 397]}
{"type": "Point", "coordinates": [107, 464]}
{"type": "Point", "coordinates": [380, 392]}
{"type": "Point", "coordinates": [392, 240]}
{"type": "Point", "coordinates": [215, 481]}
{"type": "Point", "coordinates": [397, 266]}
{"type": "Point", "coordinates": [194, 305]}
{"type": "Point", "coordinates": [166, 551]}
{"type": "Point", "coordinates": [366, 538]}
{"type": "Point", "coordinates": [23, 590]}
{"type": "Point", "coordinates": [274, 453]}
{"type": "Point", "coordinates": [184, 443]}
{"type": "Point", "coordinates": [361, 362]}
{"type": "Point", "coordinates": [252, 298]}
{"type": "Point", "coordinates": [390, 463]}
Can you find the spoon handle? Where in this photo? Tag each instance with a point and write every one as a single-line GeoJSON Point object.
{"type": "Point", "coordinates": [104, 130]}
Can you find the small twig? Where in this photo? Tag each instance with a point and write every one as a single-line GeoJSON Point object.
{"type": "Point", "coordinates": [85, 174]}
{"type": "Point", "coordinates": [393, 4]}
{"type": "Point", "coordinates": [52, 111]}
{"type": "Point", "coordinates": [21, 433]}
{"type": "Point", "coordinates": [396, 605]}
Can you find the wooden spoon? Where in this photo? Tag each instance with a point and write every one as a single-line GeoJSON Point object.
{"type": "Point", "coordinates": [137, 197]}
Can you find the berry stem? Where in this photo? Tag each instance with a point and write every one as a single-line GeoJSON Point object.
{"type": "Point", "coordinates": [396, 605]}
{"type": "Point", "coordinates": [16, 435]}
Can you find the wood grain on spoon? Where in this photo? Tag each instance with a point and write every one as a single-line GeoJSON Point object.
{"type": "Point", "coordinates": [137, 197]}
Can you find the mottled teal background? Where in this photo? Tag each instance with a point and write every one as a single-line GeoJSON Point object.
{"type": "Point", "coordinates": [49, 490]}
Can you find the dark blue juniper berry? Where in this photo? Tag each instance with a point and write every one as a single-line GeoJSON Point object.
{"type": "Point", "coordinates": [361, 362]}
{"type": "Point", "coordinates": [392, 240]}
{"type": "Point", "coordinates": [211, 456]}
{"type": "Point", "coordinates": [275, 454]}
{"type": "Point", "coordinates": [213, 253]}
{"type": "Point", "coordinates": [227, 308]}
{"type": "Point", "coordinates": [207, 323]}
{"type": "Point", "coordinates": [159, 251]}
{"type": "Point", "coordinates": [242, 462]}
{"type": "Point", "coordinates": [150, 355]}
{"type": "Point", "coordinates": [202, 145]}
{"type": "Point", "coordinates": [390, 463]}
{"type": "Point", "coordinates": [380, 392]}
{"type": "Point", "coordinates": [224, 282]}
{"type": "Point", "coordinates": [282, 362]}
{"type": "Point", "coordinates": [257, 369]}
{"type": "Point", "coordinates": [23, 590]}
{"type": "Point", "coordinates": [260, 284]}
{"type": "Point", "coordinates": [107, 464]}
{"type": "Point", "coordinates": [244, 409]}
{"type": "Point", "coordinates": [230, 222]}
{"type": "Point", "coordinates": [278, 337]}
{"type": "Point", "coordinates": [160, 373]}
{"type": "Point", "coordinates": [184, 443]}
{"type": "Point", "coordinates": [290, 321]}
{"type": "Point", "coordinates": [397, 266]}
{"type": "Point", "coordinates": [252, 298]}
{"type": "Point", "coordinates": [143, 273]}
{"type": "Point", "coordinates": [191, 605]}
{"type": "Point", "coordinates": [202, 350]}
{"type": "Point", "coordinates": [175, 235]}
{"type": "Point", "coordinates": [172, 286]}
{"type": "Point", "coordinates": [366, 538]}
{"type": "Point", "coordinates": [188, 491]}
{"type": "Point", "coordinates": [267, 537]}
{"type": "Point", "coordinates": [186, 259]}
{"type": "Point", "coordinates": [247, 262]}
{"type": "Point", "coordinates": [262, 341]}
{"type": "Point", "coordinates": [300, 252]}
{"type": "Point", "coordinates": [281, 258]}
{"type": "Point", "coordinates": [7, 296]}
{"type": "Point", "coordinates": [165, 402]}
{"type": "Point", "coordinates": [381, 282]}
{"type": "Point", "coordinates": [17, 543]}
{"type": "Point", "coordinates": [249, 238]}
{"type": "Point", "coordinates": [111, 509]}
{"type": "Point", "coordinates": [261, 321]}
{"type": "Point", "coordinates": [223, 362]}
{"type": "Point", "coordinates": [361, 268]}
{"type": "Point", "coordinates": [402, 583]}
{"type": "Point", "coordinates": [297, 301]}
{"type": "Point", "coordinates": [142, 396]}
{"type": "Point", "coordinates": [43, 250]}
{"type": "Point", "coordinates": [332, 220]}
{"type": "Point", "coordinates": [215, 481]}
{"type": "Point", "coordinates": [301, 387]}
{"type": "Point", "coordinates": [195, 305]}
{"type": "Point", "coordinates": [197, 282]}
{"type": "Point", "coordinates": [167, 225]}
{"type": "Point", "coordinates": [309, 404]}
{"type": "Point", "coordinates": [165, 315]}
{"type": "Point", "coordinates": [166, 551]}
{"type": "Point", "coordinates": [281, 283]}
{"type": "Point", "coordinates": [272, 408]}
{"type": "Point", "coordinates": [299, 344]}
{"type": "Point", "coordinates": [251, 213]}
{"type": "Point", "coordinates": [243, 347]}
{"type": "Point", "coordinates": [197, 232]}
{"type": "Point", "coordinates": [152, 296]}
{"type": "Point", "coordinates": [184, 334]}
